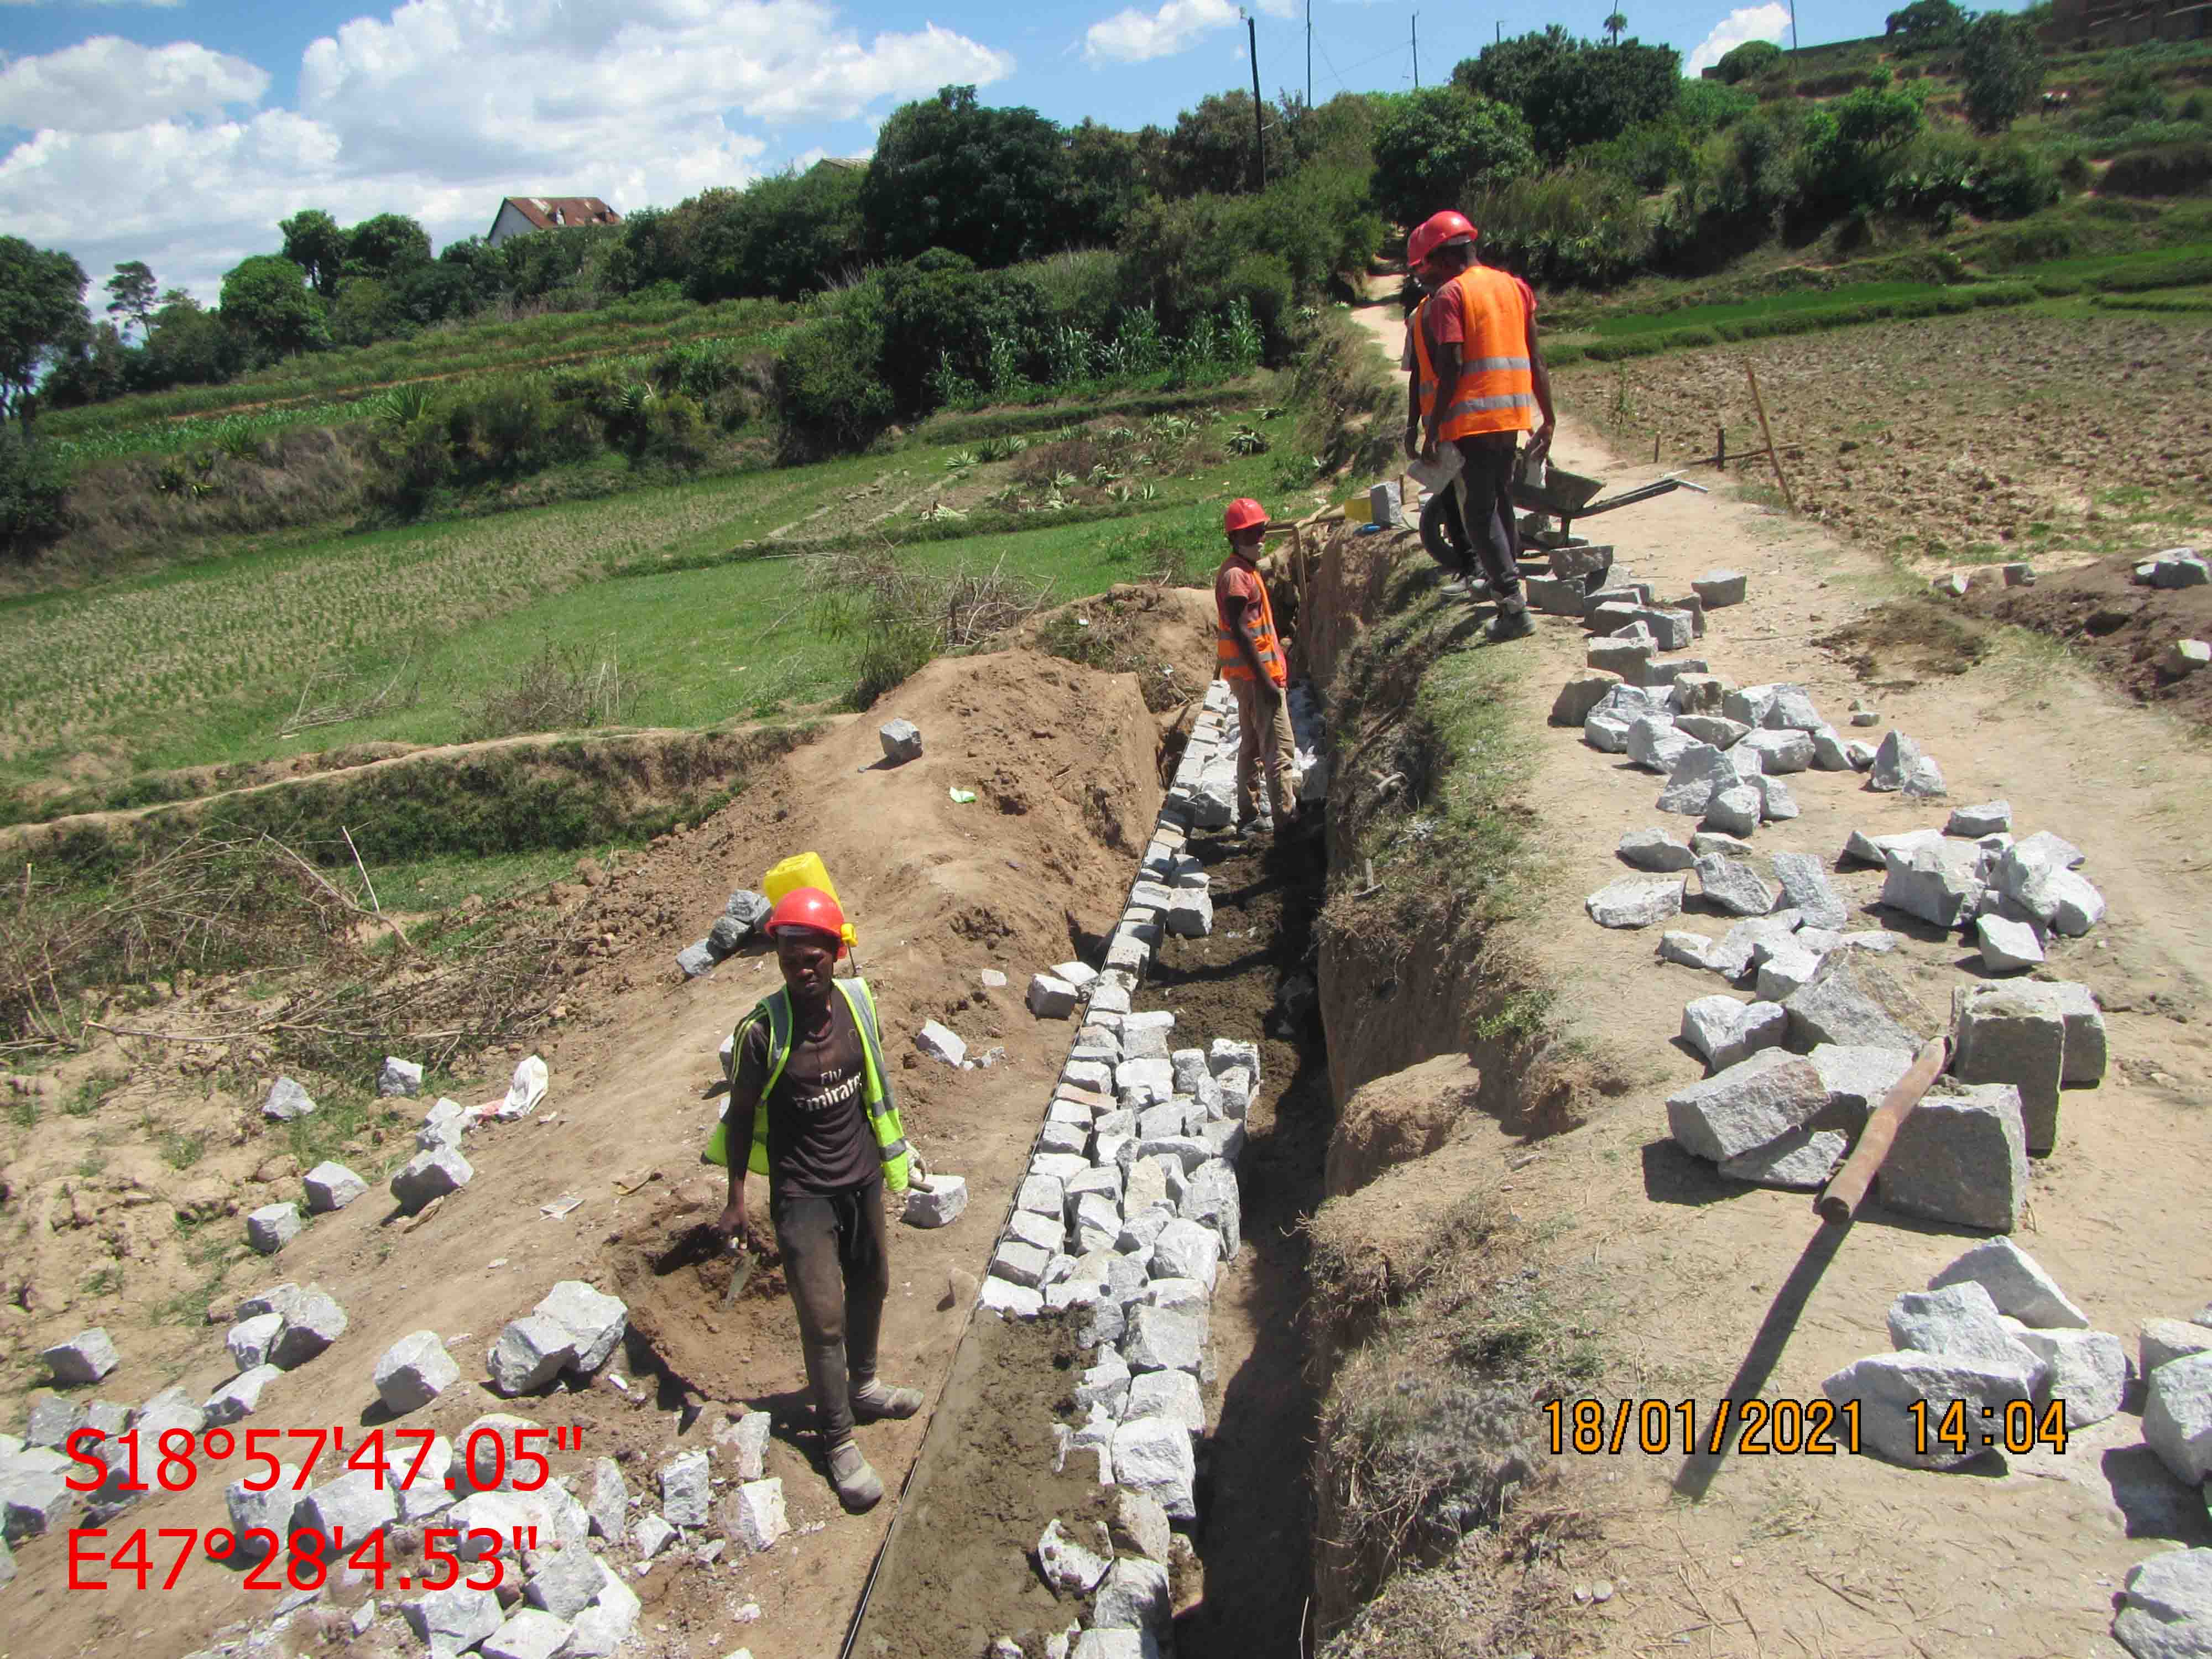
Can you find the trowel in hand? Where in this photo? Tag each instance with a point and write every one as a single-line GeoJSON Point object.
{"type": "Point", "coordinates": [741, 1269]}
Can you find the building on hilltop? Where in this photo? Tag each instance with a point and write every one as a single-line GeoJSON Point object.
{"type": "Point", "coordinates": [520, 215]}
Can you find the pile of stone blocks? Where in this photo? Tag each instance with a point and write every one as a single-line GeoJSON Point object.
{"type": "Point", "coordinates": [1992, 1329]}
{"type": "Point", "coordinates": [744, 915]}
{"type": "Point", "coordinates": [2008, 894]}
{"type": "Point", "coordinates": [575, 1329]}
{"type": "Point", "coordinates": [2178, 567]}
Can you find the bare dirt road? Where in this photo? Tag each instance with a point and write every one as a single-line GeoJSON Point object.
{"type": "Point", "coordinates": [1694, 1286]}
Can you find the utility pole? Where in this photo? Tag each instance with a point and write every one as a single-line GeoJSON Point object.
{"type": "Point", "coordinates": [1258, 109]}
{"type": "Point", "coordinates": [1793, 27]}
{"type": "Point", "coordinates": [1309, 54]}
{"type": "Point", "coordinates": [1417, 51]}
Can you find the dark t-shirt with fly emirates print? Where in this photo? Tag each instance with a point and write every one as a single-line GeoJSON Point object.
{"type": "Point", "coordinates": [818, 1139]}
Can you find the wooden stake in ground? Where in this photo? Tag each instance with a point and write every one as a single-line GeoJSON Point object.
{"type": "Point", "coordinates": [1767, 432]}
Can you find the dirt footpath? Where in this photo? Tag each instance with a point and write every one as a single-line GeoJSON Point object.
{"type": "Point", "coordinates": [1694, 1286]}
{"type": "Point", "coordinates": [1063, 764]}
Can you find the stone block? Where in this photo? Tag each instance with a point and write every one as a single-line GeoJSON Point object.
{"type": "Point", "coordinates": [2088, 1369]}
{"type": "Point", "coordinates": [1830, 752]}
{"type": "Point", "coordinates": [1735, 810]}
{"type": "Point", "coordinates": [430, 1174]}
{"type": "Point", "coordinates": [1857, 1077]}
{"type": "Point", "coordinates": [287, 1100]}
{"type": "Point", "coordinates": [1555, 597]}
{"type": "Point", "coordinates": [1940, 884]}
{"type": "Point", "coordinates": [1654, 849]}
{"type": "Point", "coordinates": [1186, 1249]}
{"type": "Point", "coordinates": [2162, 1341]}
{"type": "Point", "coordinates": [331, 1187]}
{"type": "Point", "coordinates": [1051, 998]}
{"type": "Point", "coordinates": [1734, 885]}
{"type": "Point", "coordinates": [2177, 1419]}
{"type": "Point", "coordinates": [940, 1043]}
{"type": "Point", "coordinates": [1631, 658]}
{"type": "Point", "coordinates": [1805, 888]}
{"type": "Point", "coordinates": [1212, 1197]}
{"type": "Point", "coordinates": [452, 1621]}
{"type": "Point", "coordinates": [1655, 745]}
{"type": "Point", "coordinates": [1725, 1031]}
{"type": "Point", "coordinates": [2016, 1285]}
{"type": "Point", "coordinates": [1989, 818]}
{"type": "Point", "coordinates": [85, 1357]}
{"type": "Point", "coordinates": [1860, 848]}
{"type": "Point", "coordinates": [1961, 1156]}
{"type": "Point", "coordinates": [1719, 588]}
{"type": "Point", "coordinates": [528, 1633]}
{"type": "Point", "coordinates": [240, 1397]}
{"type": "Point", "coordinates": [1779, 752]}
{"type": "Point", "coordinates": [1851, 1002]}
{"type": "Point", "coordinates": [273, 1226]}
{"type": "Point", "coordinates": [2008, 947]}
{"type": "Point", "coordinates": [529, 1353]}
{"type": "Point", "coordinates": [267, 1511]}
{"type": "Point", "coordinates": [2086, 1047]}
{"type": "Point", "coordinates": [1699, 693]}
{"type": "Point", "coordinates": [2166, 1607]}
{"type": "Point", "coordinates": [1019, 1263]}
{"type": "Point", "coordinates": [1634, 903]}
{"type": "Point", "coordinates": [1752, 1102]}
{"type": "Point", "coordinates": [313, 1323]}
{"type": "Point", "coordinates": [1173, 1395]}
{"type": "Point", "coordinates": [935, 1200]}
{"type": "Point", "coordinates": [428, 1495]}
{"type": "Point", "coordinates": [2185, 657]}
{"type": "Point", "coordinates": [2178, 567]}
{"type": "Point", "coordinates": [1775, 802]}
{"type": "Point", "coordinates": [1580, 695]}
{"type": "Point", "coordinates": [1153, 1458]}
{"type": "Point", "coordinates": [445, 1124]}
{"type": "Point", "coordinates": [1896, 764]}
{"type": "Point", "coordinates": [1688, 949]}
{"type": "Point", "coordinates": [594, 1321]}
{"type": "Point", "coordinates": [353, 1505]}
{"type": "Point", "coordinates": [603, 1627]}
{"type": "Point", "coordinates": [398, 1078]}
{"type": "Point", "coordinates": [1699, 773]}
{"type": "Point", "coordinates": [607, 1501]}
{"type": "Point", "coordinates": [1783, 970]}
{"type": "Point", "coordinates": [901, 741]}
{"type": "Point", "coordinates": [1799, 1161]}
{"type": "Point", "coordinates": [1163, 1339]}
{"type": "Point", "coordinates": [1959, 1321]}
{"type": "Point", "coordinates": [1069, 1567]}
{"type": "Point", "coordinates": [1717, 730]}
{"type": "Point", "coordinates": [1670, 630]}
{"type": "Point", "coordinates": [1886, 1386]}
{"type": "Point", "coordinates": [1792, 710]}
{"type": "Point", "coordinates": [2013, 1034]}
{"type": "Point", "coordinates": [413, 1371]}
{"type": "Point", "coordinates": [1189, 914]}
{"type": "Point", "coordinates": [686, 1484]}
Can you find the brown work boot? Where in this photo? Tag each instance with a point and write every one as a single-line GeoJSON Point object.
{"type": "Point", "coordinates": [859, 1489]}
{"type": "Point", "coordinates": [875, 1398]}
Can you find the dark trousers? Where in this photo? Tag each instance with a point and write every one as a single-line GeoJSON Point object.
{"type": "Point", "coordinates": [836, 1261]}
{"type": "Point", "coordinates": [1485, 508]}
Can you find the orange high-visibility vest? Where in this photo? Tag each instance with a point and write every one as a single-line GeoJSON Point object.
{"type": "Point", "coordinates": [1496, 388]}
{"type": "Point", "coordinates": [1424, 374]}
{"type": "Point", "coordinates": [1259, 622]}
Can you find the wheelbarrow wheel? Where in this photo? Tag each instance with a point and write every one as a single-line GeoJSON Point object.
{"type": "Point", "coordinates": [1443, 534]}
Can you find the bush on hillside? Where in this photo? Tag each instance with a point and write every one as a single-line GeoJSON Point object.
{"type": "Point", "coordinates": [1925, 26]}
{"type": "Point", "coordinates": [2002, 63]}
{"type": "Point", "coordinates": [1440, 142]}
{"type": "Point", "coordinates": [33, 495]}
{"type": "Point", "coordinates": [2161, 170]}
{"type": "Point", "coordinates": [1748, 61]}
{"type": "Point", "coordinates": [1570, 227]}
{"type": "Point", "coordinates": [1851, 147]}
{"type": "Point", "coordinates": [1949, 170]}
{"type": "Point", "coordinates": [830, 389]}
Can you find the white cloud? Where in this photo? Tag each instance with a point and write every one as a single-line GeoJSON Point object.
{"type": "Point", "coordinates": [1767, 22]}
{"type": "Point", "coordinates": [439, 108]}
{"type": "Point", "coordinates": [1131, 36]}
{"type": "Point", "coordinates": [105, 85]}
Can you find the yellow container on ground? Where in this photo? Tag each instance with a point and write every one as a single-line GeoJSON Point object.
{"type": "Point", "coordinates": [803, 870]}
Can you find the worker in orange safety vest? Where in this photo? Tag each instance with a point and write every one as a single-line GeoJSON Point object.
{"type": "Point", "coordinates": [1486, 384]}
{"type": "Point", "coordinates": [1248, 654]}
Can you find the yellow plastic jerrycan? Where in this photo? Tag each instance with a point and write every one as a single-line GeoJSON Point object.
{"type": "Point", "coordinates": [804, 870]}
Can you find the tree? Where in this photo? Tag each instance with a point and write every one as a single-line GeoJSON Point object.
{"type": "Point", "coordinates": [1210, 151]}
{"type": "Point", "coordinates": [313, 242]}
{"type": "Point", "coordinates": [41, 312]}
{"type": "Point", "coordinates": [1614, 23]}
{"type": "Point", "coordinates": [1440, 146]}
{"type": "Point", "coordinates": [1508, 68]}
{"type": "Point", "coordinates": [266, 299]}
{"type": "Point", "coordinates": [2002, 63]}
{"type": "Point", "coordinates": [953, 173]}
{"type": "Point", "coordinates": [1574, 92]}
{"type": "Point", "coordinates": [130, 294]}
{"type": "Point", "coordinates": [1748, 61]}
{"type": "Point", "coordinates": [1925, 26]}
{"type": "Point", "coordinates": [385, 245]}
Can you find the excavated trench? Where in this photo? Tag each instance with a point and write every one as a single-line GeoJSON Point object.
{"type": "Point", "coordinates": [958, 1570]}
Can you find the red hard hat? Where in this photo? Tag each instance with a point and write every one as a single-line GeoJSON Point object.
{"type": "Point", "coordinates": [808, 910]}
{"type": "Point", "coordinates": [1434, 231]}
{"type": "Point", "coordinates": [1243, 512]}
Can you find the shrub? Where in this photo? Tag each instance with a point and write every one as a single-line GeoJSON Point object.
{"type": "Point", "coordinates": [2162, 170]}
{"type": "Point", "coordinates": [1441, 143]}
{"type": "Point", "coordinates": [33, 495]}
{"type": "Point", "coordinates": [1572, 227]}
{"type": "Point", "coordinates": [1748, 61]}
{"type": "Point", "coordinates": [828, 391]}
{"type": "Point", "coordinates": [2002, 63]}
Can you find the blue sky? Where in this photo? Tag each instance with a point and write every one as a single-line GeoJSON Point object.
{"type": "Point", "coordinates": [179, 133]}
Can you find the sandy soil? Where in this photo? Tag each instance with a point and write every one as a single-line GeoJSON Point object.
{"type": "Point", "coordinates": [1697, 1287]}
{"type": "Point", "coordinates": [1063, 761]}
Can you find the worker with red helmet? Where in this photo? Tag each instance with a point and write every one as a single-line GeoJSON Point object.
{"type": "Point", "coordinates": [1487, 385]}
{"type": "Point", "coordinates": [1248, 652]}
{"type": "Point", "coordinates": [810, 1102]}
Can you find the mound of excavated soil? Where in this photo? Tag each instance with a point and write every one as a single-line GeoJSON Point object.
{"type": "Point", "coordinates": [2098, 612]}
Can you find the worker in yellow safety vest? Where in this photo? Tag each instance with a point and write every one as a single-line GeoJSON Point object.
{"type": "Point", "coordinates": [1248, 654]}
{"type": "Point", "coordinates": [1478, 355]}
{"type": "Point", "coordinates": [810, 1099]}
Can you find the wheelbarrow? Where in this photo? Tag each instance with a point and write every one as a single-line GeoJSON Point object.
{"type": "Point", "coordinates": [1563, 495]}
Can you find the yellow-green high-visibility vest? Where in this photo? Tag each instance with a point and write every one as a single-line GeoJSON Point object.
{"type": "Point", "coordinates": [881, 1113]}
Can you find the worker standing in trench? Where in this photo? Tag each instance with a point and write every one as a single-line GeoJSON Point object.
{"type": "Point", "coordinates": [810, 1097]}
{"type": "Point", "coordinates": [1487, 385]}
{"type": "Point", "coordinates": [1248, 654]}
